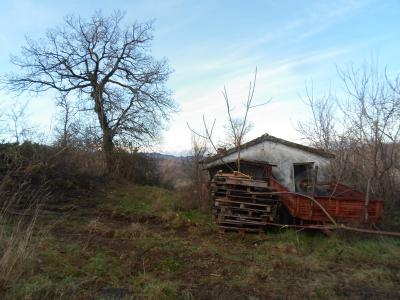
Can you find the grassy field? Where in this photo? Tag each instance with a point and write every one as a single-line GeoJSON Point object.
{"type": "Point", "coordinates": [132, 242]}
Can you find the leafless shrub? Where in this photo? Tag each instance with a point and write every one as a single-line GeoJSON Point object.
{"type": "Point", "coordinates": [195, 194]}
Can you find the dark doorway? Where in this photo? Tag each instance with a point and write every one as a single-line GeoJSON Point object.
{"type": "Point", "coordinates": [303, 177]}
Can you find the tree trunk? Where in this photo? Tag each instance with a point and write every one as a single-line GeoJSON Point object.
{"type": "Point", "coordinates": [108, 148]}
{"type": "Point", "coordinates": [108, 144]}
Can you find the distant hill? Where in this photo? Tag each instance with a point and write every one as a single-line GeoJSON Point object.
{"type": "Point", "coordinates": [157, 155]}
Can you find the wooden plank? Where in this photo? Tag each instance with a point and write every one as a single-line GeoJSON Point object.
{"type": "Point", "coordinates": [237, 229]}
{"type": "Point", "coordinates": [244, 209]}
{"type": "Point", "coordinates": [242, 223]}
{"type": "Point", "coordinates": [244, 191]}
{"type": "Point", "coordinates": [247, 183]}
{"type": "Point", "coordinates": [262, 195]}
{"type": "Point", "coordinates": [241, 217]}
{"type": "Point", "coordinates": [244, 203]}
{"type": "Point", "coordinates": [246, 196]}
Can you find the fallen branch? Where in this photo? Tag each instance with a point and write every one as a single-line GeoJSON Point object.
{"type": "Point", "coordinates": [337, 227]}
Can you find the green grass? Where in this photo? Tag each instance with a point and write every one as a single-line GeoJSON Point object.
{"type": "Point", "coordinates": [197, 217]}
{"type": "Point", "coordinates": [174, 254]}
{"type": "Point", "coordinates": [142, 199]}
{"type": "Point", "coordinates": [148, 287]}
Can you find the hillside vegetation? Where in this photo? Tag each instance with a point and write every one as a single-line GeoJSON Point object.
{"type": "Point", "coordinates": [134, 242]}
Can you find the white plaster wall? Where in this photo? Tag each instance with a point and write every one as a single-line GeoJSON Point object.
{"type": "Point", "coordinates": [284, 157]}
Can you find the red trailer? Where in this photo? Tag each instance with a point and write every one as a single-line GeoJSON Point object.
{"type": "Point", "coordinates": [242, 203]}
{"type": "Point", "coordinates": [344, 204]}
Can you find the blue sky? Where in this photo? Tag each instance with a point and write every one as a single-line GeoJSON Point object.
{"type": "Point", "coordinates": [210, 44]}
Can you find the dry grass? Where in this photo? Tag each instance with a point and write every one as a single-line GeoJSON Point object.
{"type": "Point", "coordinates": [14, 251]}
{"type": "Point", "coordinates": [20, 201]}
{"type": "Point", "coordinates": [135, 245]}
{"type": "Point", "coordinates": [16, 232]}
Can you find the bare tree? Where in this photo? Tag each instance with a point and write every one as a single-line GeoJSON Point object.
{"type": "Point", "coordinates": [232, 128]}
{"type": "Point", "coordinates": [17, 121]}
{"type": "Point", "coordinates": [320, 131]}
{"type": "Point", "coordinates": [207, 136]}
{"type": "Point", "coordinates": [372, 111]}
{"type": "Point", "coordinates": [67, 112]}
{"type": "Point", "coordinates": [363, 132]}
{"type": "Point", "coordinates": [237, 128]}
{"type": "Point", "coordinates": [105, 65]}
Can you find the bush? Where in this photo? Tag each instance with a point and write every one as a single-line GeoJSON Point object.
{"type": "Point", "coordinates": [67, 172]}
{"type": "Point", "coordinates": [136, 167]}
{"type": "Point", "coordinates": [196, 194]}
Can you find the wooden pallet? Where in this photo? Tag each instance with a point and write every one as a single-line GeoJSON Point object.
{"type": "Point", "coordinates": [242, 204]}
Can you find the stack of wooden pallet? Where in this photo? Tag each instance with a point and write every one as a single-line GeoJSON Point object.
{"type": "Point", "coordinates": [242, 204]}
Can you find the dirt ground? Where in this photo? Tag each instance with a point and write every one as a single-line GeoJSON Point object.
{"type": "Point", "coordinates": [132, 242]}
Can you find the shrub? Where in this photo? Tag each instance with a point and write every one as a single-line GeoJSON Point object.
{"type": "Point", "coordinates": [136, 167]}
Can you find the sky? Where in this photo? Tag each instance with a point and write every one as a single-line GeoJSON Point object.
{"type": "Point", "coordinates": [212, 44]}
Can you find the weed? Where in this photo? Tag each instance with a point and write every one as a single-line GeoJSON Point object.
{"type": "Point", "coordinates": [37, 287]}
{"type": "Point", "coordinates": [197, 217]}
{"type": "Point", "coordinates": [98, 265]}
{"type": "Point", "coordinates": [170, 264]}
{"type": "Point", "coordinates": [148, 287]}
{"type": "Point", "coordinates": [96, 227]}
